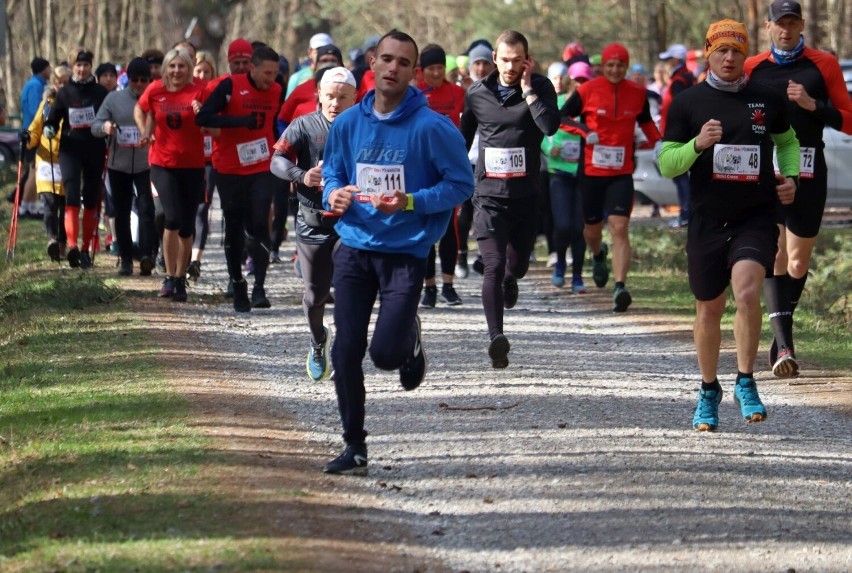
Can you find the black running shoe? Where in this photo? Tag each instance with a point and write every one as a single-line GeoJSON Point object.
{"type": "Point", "coordinates": [449, 295]}
{"type": "Point", "coordinates": [430, 296]}
{"type": "Point", "coordinates": [621, 299]}
{"type": "Point", "coordinates": [510, 292]}
{"type": "Point", "coordinates": [193, 271]}
{"type": "Point", "coordinates": [125, 267]}
{"type": "Point", "coordinates": [241, 299]}
{"type": "Point", "coordinates": [353, 461]}
{"type": "Point", "coordinates": [498, 351]}
{"type": "Point", "coordinates": [146, 266]}
{"type": "Point", "coordinates": [258, 297]}
{"type": "Point", "coordinates": [180, 290]}
{"type": "Point", "coordinates": [53, 251]}
{"type": "Point", "coordinates": [85, 260]}
{"type": "Point", "coordinates": [413, 370]}
{"type": "Point", "coordinates": [478, 266]}
{"type": "Point", "coordinates": [73, 257]}
{"type": "Point", "coordinates": [168, 288]}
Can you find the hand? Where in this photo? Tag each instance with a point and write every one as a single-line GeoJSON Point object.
{"type": "Point", "coordinates": [657, 147]}
{"type": "Point", "coordinates": [592, 138]}
{"type": "Point", "coordinates": [196, 106]}
{"type": "Point", "coordinates": [526, 73]}
{"type": "Point", "coordinates": [341, 199]}
{"type": "Point", "coordinates": [49, 131]}
{"type": "Point", "coordinates": [556, 151]}
{"type": "Point", "coordinates": [797, 93]}
{"type": "Point", "coordinates": [145, 139]}
{"type": "Point", "coordinates": [255, 120]}
{"type": "Point", "coordinates": [108, 125]}
{"type": "Point", "coordinates": [313, 176]}
{"type": "Point", "coordinates": [710, 134]}
{"type": "Point", "coordinates": [389, 205]}
{"type": "Point", "coordinates": [786, 189]}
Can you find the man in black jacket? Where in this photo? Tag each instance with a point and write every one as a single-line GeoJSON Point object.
{"type": "Point", "coordinates": [514, 109]}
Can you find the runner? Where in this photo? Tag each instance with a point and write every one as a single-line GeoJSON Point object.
{"type": "Point", "coordinates": [32, 96]}
{"type": "Point", "coordinates": [244, 107]}
{"type": "Point", "coordinates": [447, 99]}
{"type": "Point", "coordinates": [154, 57]}
{"type": "Point", "coordinates": [298, 159]}
{"type": "Point", "coordinates": [107, 75]}
{"type": "Point", "coordinates": [128, 169]}
{"type": "Point", "coordinates": [513, 109]}
{"type": "Point", "coordinates": [394, 171]}
{"type": "Point", "coordinates": [47, 172]}
{"type": "Point", "coordinates": [306, 73]}
{"type": "Point", "coordinates": [82, 153]}
{"type": "Point", "coordinates": [166, 111]}
{"type": "Point", "coordinates": [817, 97]}
{"type": "Point", "coordinates": [610, 106]}
{"type": "Point", "coordinates": [722, 131]}
{"type": "Point", "coordinates": [303, 99]}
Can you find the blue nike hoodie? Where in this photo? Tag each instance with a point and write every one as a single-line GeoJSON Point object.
{"type": "Point", "coordinates": [432, 155]}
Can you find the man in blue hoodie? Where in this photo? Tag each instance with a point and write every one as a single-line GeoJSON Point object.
{"type": "Point", "coordinates": [393, 170]}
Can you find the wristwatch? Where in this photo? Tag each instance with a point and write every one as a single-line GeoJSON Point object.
{"type": "Point", "coordinates": [528, 93]}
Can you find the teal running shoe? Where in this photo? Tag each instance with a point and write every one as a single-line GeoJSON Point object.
{"type": "Point", "coordinates": [745, 395]}
{"type": "Point", "coordinates": [558, 278]}
{"type": "Point", "coordinates": [318, 365]}
{"type": "Point", "coordinates": [706, 416]}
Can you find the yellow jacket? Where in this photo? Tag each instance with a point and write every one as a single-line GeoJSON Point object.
{"type": "Point", "coordinates": [47, 155]}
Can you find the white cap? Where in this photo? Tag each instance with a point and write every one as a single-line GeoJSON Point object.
{"type": "Point", "coordinates": [677, 51]}
{"type": "Point", "coordinates": [320, 40]}
{"type": "Point", "coordinates": [338, 75]}
{"type": "Point", "coordinates": [557, 69]}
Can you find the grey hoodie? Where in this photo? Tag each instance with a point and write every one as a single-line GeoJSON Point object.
{"type": "Point", "coordinates": [118, 108]}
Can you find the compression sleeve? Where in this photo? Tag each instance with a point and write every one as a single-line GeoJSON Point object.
{"type": "Point", "coordinates": [788, 152]}
{"type": "Point", "coordinates": [676, 158]}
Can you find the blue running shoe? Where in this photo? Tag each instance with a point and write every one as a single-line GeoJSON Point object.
{"type": "Point", "coordinates": [577, 286]}
{"type": "Point", "coordinates": [745, 395]}
{"type": "Point", "coordinates": [706, 416]}
{"type": "Point", "coordinates": [317, 363]}
{"type": "Point", "coordinates": [600, 269]}
{"type": "Point", "coordinates": [558, 278]}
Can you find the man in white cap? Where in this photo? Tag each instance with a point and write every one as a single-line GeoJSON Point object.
{"type": "Point", "coordinates": [298, 159]}
{"type": "Point", "coordinates": [306, 73]}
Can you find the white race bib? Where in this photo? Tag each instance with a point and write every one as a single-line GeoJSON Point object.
{"type": "Point", "coordinates": [253, 151]}
{"type": "Point", "coordinates": [382, 180]}
{"type": "Point", "coordinates": [128, 137]}
{"type": "Point", "coordinates": [608, 157]}
{"type": "Point", "coordinates": [736, 162]}
{"type": "Point", "coordinates": [79, 117]}
{"type": "Point", "coordinates": [48, 173]}
{"type": "Point", "coordinates": [208, 146]}
{"type": "Point", "coordinates": [807, 158]}
{"type": "Point", "coordinates": [505, 163]}
{"type": "Point", "coordinates": [570, 151]}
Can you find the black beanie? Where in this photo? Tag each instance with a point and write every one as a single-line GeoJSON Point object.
{"type": "Point", "coordinates": [38, 65]}
{"type": "Point", "coordinates": [105, 68]}
{"type": "Point", "coordinates": [432, 56]}
{"type": "Point", "coordinates": [138, 68]}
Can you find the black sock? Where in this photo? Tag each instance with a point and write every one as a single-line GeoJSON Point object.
{"type": "Point", "coordinates": [714, 385]}
{"type": "Point", "coordinates": [776, 291]}
{"type": "Point", "coordinates": [744, 375]}
{"type": "Point", "coordinates": [600, 256]}
{"type": "Point", "coordinates": [796, 288]}
{"type": "Point", "coordinates": [619, 285]}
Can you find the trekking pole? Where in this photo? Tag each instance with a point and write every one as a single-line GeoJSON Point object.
{"type": "Point", "coordinates": [53, 182]}
{"type": "Point", "coordinates": [12, 242]}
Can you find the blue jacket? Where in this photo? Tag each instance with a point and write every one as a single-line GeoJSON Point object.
{"type": "Point", "coordinates": [31, 96]}
{"type": "Point", "coordinates": [437, 173]}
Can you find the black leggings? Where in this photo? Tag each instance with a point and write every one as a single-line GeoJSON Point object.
{"type": "Point", "coordinates": [281, 205]}
{"type": "Point", "coordinates": [179, 190]}
{"type": "Point", "coordinates": [84, 160]}
{"type": "Point", "coordinates": [124, 187]}
{"type": "Point", "coordinates": [54, 216]}
{"type": "Point", "coordinates": [202, 215]}
{"type": "Point", "coordinates": [448, 248]}
{"type": "Point", "coordinates": [245, 205]}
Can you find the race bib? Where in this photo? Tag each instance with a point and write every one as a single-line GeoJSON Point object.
{"type": "Point", "coordinates": [253, 151]}
{"type": "Point", "coordinates": [128, 137]}
{"type": "Point", "coordinates": [48, 172]}
{"type": "Point", "coordinates": [736, 162]}
{"type": "Point", "coordinates": [382, 180]}
{"type": "Point", "coordinates": [807, 158]}
{"type": "Point", "coordinates": [608, 157]}
{"type": "Point", "coordinates": [505, 163]}
{"type": "Point", "coordinates": [570, 152]}
{"type": "Point", "coordinates": [208, 146]}
{"type": "Point", "coordinates": [79, 117]}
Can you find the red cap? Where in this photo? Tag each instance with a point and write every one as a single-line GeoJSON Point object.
{"type": "Point", "coordinates": [615, 52]}
{"type": "Point", "coordinates": [239, 48]}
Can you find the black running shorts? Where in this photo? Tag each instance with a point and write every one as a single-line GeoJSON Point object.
{"type": "Point", "coordinates": [803, 217]}
{"type": "Point", "coordinates": [606, 195]}
{"type": "Point", "coordinates": [713, 246]}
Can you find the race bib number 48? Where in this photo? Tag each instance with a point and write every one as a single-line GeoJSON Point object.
{"type": "Point", "coordinates": [505, 163]}
{"type": "Point", "coordinates": [253, 151]}
{"type": "Point", "coordinates": [382, 180]}
{"type": "Point", "coordinates": [736, 162]}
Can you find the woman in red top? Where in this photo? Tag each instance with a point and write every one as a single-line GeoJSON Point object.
{"type": "Point", "coordinates": [167, 111]}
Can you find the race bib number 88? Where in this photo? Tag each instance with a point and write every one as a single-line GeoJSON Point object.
{"type": "Point", "coordinates": [253, 151]}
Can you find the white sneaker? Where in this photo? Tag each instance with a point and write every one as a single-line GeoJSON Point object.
{"type": "Point", "coordinates": [551, 260]}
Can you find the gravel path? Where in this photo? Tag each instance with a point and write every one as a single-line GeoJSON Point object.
{"type": "Point", "coordinates": [577, 457]}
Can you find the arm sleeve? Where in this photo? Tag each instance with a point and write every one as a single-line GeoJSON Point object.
{"type": "Point", "coordinates": [788, 152]}
{"type": "Point", "coordinates": [285, 160]}
{"type": "Point", "coordinates": [210, 114]}
{"type": "Point", "coordinates": [676, 158]}
{"type": "Point", "coordinates": [838, 115]}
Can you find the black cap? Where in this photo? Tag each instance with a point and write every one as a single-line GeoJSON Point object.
{"type": "Point", "coordinates": [432, 56]}
{"type": "Point", "coordinates": [105, 68]}
{"type": "Point", "coordinates": [38, 65]}
{"type": "Point", "coordinates": [330, 49]}
{"type": "Point", "coordinates": [138, 68]}
{"type": "Point", "coordinates": [781, 8]}
{"type": "Point", "coordinates": [283, 65]}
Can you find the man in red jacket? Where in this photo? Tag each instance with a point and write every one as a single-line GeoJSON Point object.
{"type": "Point", "coordinates": [609, 107]}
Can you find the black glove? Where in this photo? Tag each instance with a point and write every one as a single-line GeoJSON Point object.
{"type": "Point", "coordinates": [24, 137]}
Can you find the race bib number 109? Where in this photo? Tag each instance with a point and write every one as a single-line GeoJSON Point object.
{"type": "Point", "coordinates": [505, 163]}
